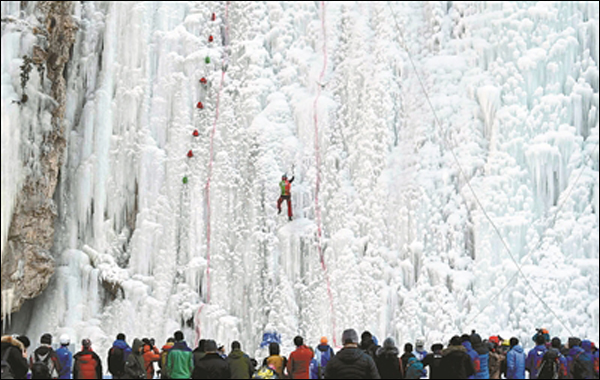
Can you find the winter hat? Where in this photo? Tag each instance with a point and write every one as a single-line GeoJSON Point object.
{"type": "Point", "coordinates": [556, 343]}
{"type": "Point", "coordinates": [86, 344]}
{"type": "Point", "coordinates": [65, 340]}
{"type": "Point", "coordinates": [211, 346]}
{"type": "Point", "coordinates": [495, 340]}
{"type": "Point", "coordinates": [366, 336]}
{"type": "Point", "coordinates": [514, 342]}
{"type": "Point", "coordinates": [46, 339]}
{"type": "Point", "coordinates": [420, 344]}
{"type": "Point", "coordinates": [121, 337]}
{"type": "Point", "coordinates": [455, 342]}
{"type": "Point", "coordinates": [324, 341]}
{"type": "Point", "coordinates": [437, 347]}
{"type": "Point", "coordinates": [350, 337]}
{"type": "Point", "coordinates": [236, 346]}
{"type": "Point", "coordinates": [408, 348]}
{"type": "Point", "coordinates": [25, 340]}
{"type": "Point", "coordinates": [465, 338]}
{"type": "Point", "coordinates": [179, 336]}
{"type": "Point", "coordinates": [574, 342]}
{"type": "Point", "coordinates": [389, 343]}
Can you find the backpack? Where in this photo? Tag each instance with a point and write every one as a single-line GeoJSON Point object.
{"type": "Point", "coordinates": [6, 368]}
{"type": "Point", "coordinates": [116, 361]}
{"type": "Point", "coordinates": [583, 366]}
{"type": "Point", "coordinates": [550, 366]}
{"type": "Point", "coordinates": [42, 367]}
{"type": "Point", "coordinates": [266, 373]}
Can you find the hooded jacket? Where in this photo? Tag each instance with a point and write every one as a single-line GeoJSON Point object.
{"type": "Point", "coordinates": [134, 366]}
{"type": "Point", "coordinates": [46, 354]}
{"type": "Point", "coordinates": [212, 366]}
{"type": "Point", "coordinates": [87, 365]}
{"type": "Point", "coordinates": [117, 356]}
{"type": "Point", "coordinates": [151, 355]}
{"type": "Point", "coordinates": [388, 362]}
{"type": "Point", "coordinates": [240, 365]}
{"type": "Point", "coordinates": [15, 359]}
{"type": "Point", "coordinates": [515, 363]}
{"type": "Point", "coordinates": [456, 363]}
{"type": "Point", "coordinates": [581, 361]}
{"type": "Point", "coordinates": [415, 369]}
{"type": "Point", "coordinates": [534, 360]}
{"type": "Point", "coordinates": [352, 363]}
{"type": "Point", "coordinates": [474, 358]}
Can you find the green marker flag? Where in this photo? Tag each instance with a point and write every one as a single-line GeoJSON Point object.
{"type": "Point", "coordinates": [207, 60]}
{"type": "Point", "coordinates": [185, 180]}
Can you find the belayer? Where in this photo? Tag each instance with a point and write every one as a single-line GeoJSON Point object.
{"type": "Point", "coordinates": [286, 195]}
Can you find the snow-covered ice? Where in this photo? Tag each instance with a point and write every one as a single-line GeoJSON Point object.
{"type": "Point", "coordinates": [409, 251]}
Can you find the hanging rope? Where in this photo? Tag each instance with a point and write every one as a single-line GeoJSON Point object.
{"type": "Point", "coordinates": [467, 179]}
{"type": "Point", "coordinates": [198, 316]}
{"type": "Point", "coordinates": [211, 161]}
{"type": "Point", "coordinates": [318, 181]}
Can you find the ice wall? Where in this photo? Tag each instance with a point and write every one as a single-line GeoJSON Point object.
{"type": "Point", "coordinates": [409, 252]}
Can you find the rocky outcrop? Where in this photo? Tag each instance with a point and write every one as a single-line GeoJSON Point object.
{"type": "Point", "coordinates": [27, 264]}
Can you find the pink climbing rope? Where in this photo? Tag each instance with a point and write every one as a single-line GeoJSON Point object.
{"type": "Point", "coordinates": [209, 180]}
{"type": "Point", "coordinates": [318, 182]}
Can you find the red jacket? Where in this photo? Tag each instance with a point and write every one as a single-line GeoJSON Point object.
{"type": "Point", "coordinates": [151, 355]}
{"type": "Point", "coordinates": [87, 365]}
{"type": "Point", "coordinates": [299, 363]}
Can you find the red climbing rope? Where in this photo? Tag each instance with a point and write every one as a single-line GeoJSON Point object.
{"type": "Point", "coordinates": [210, 165]}
{"type": "Point", "coordinates": [198, 329]}
{"type": "Point", "coordinates": [318, 182]}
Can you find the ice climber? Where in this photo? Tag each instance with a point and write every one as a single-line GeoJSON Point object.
{"type": "Point", "coordinates": [535, 357]}
{"type": "Point", "coordinates": [286, 195]}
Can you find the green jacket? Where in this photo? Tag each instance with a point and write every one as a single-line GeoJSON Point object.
{"type": "Point", "coordinates": [240, 364]}
{"type": "Point", "coordinates": [180, 363]}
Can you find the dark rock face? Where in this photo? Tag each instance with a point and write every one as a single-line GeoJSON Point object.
{"type": "Point", "coordinates": [27, 264]}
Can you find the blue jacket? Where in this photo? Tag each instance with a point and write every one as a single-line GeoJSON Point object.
{"type": "Point", "coordinates": [534, 361]}
{"type": "Point", "coordinates": [484, 371]}
{"type": "Point", "coordinates": [515, 362]}
{"type": "Point", "coordinates": [415, 369]}
{"type": "Point", "coordinates": [65, 357]}
{"type": "Point", "coordinates": [474, 358]}
{"type": "Point", "coordinates": [314, 370]}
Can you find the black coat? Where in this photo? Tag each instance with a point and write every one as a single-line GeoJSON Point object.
{"type": "Point", "coordinates": [352, 363]}
{"type": "Point", "coordinates": [369, 347]}
{"type": "Point", "coordinates": [15, 359]}
{"type": "Point", "coordinates": [434, 362]}
{"type": "Point", "coordinates": [211, 366]}
{"type": "Point", "coordinates": [388, 363]}
{"type": "Point", "coordinates": [456, 363]}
